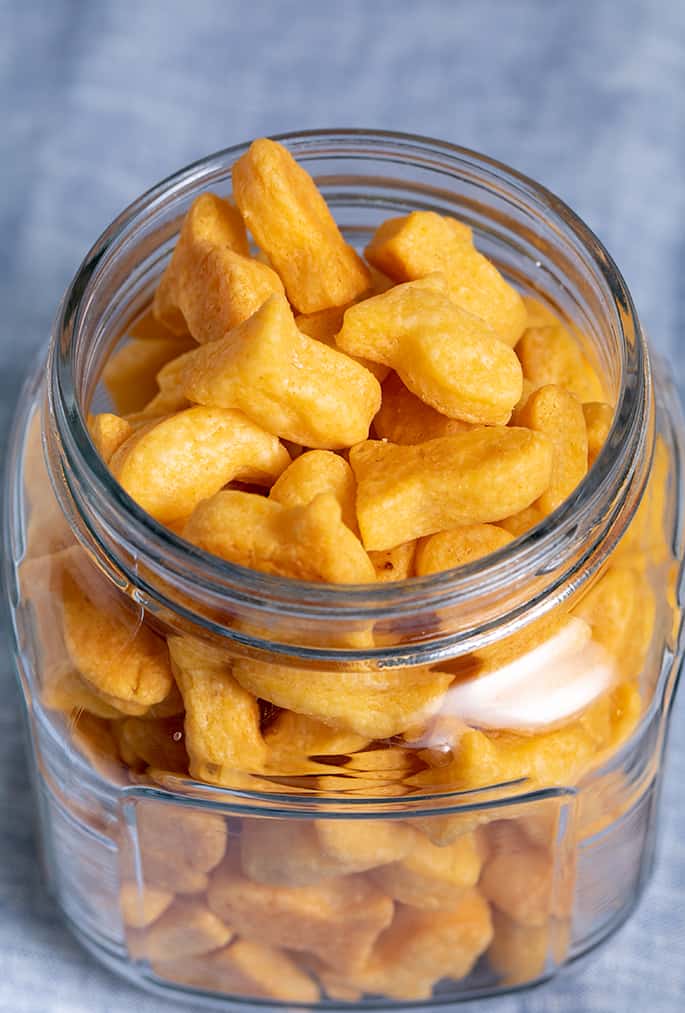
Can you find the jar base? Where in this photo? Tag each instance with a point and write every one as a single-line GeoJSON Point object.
{"type": "Point", "coordinates": [141, 976]}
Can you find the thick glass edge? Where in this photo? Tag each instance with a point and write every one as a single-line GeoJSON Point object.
{"type": "Point", "coordinates": [359, 601]}
{"type": "Point", "coordinates": [248, 802]}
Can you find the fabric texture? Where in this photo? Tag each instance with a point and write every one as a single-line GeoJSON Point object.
{"type": "Point", "coordinates": [101, 100]}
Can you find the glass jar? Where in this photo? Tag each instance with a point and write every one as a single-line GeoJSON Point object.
{"type": "Point", "coordinates": [326, 823]}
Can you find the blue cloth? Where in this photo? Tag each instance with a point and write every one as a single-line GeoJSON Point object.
{"type": "Point", "coordinates": [100, 100]}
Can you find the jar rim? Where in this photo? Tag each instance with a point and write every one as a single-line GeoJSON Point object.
{"type": "Point", "coordinates": [560, 535]}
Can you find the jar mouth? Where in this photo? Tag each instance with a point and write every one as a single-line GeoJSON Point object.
{"type": "Point", "coordinates": [565, 548]}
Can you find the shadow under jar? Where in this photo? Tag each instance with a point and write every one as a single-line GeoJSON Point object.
{"type": "Point", "coordinates": [345, 836]}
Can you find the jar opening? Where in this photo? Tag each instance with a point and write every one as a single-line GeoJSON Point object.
{"type": "Point", "coordinates": [537, 241]}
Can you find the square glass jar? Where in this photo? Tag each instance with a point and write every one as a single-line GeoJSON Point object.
{"type": "Point", "coordinates": [367, 847]}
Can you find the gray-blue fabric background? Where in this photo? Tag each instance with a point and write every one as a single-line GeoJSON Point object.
{"type": "Point", "coordinates": [98, 100]}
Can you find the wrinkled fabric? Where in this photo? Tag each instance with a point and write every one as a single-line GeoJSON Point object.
{"type": "Point", "coordinates": [101, 100]}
